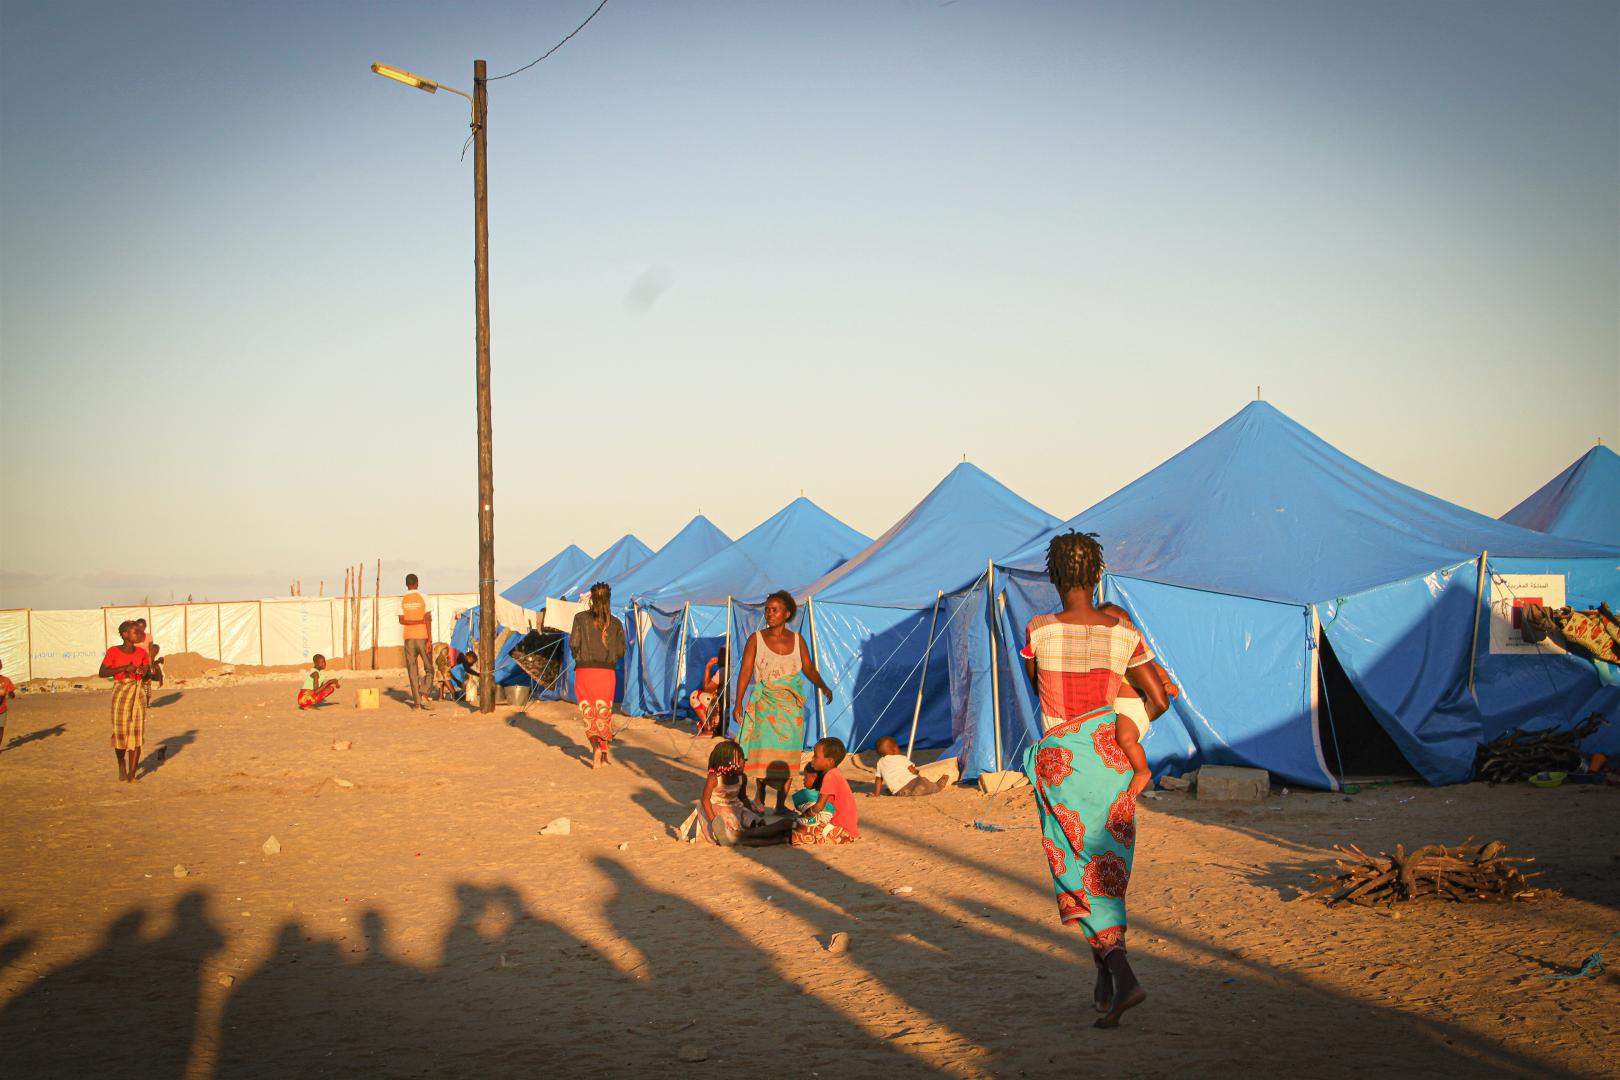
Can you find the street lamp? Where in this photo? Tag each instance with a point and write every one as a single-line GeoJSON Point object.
{"type": "Point", "coordinates": [486, 458]}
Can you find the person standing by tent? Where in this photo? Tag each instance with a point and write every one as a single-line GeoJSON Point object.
{"type": "Point", "coordinates": [770, 712]}
{"type": "Point", "coordinates": [597, 642]}
{"type": "Point", "coordinates": [128, 666]}
{"type": "Point", "coordinates": [417, 620]}
{"type": "Point", "coordinates": [1089, 768]}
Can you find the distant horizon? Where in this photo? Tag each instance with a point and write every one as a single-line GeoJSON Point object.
{"type": "Point", "coordinates": [464, 580]}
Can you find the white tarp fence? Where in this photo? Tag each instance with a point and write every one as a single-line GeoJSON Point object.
{"type": "Point", "coordinates": [272, 632]}
{"type": "Point", "coordinates": [14, 645]}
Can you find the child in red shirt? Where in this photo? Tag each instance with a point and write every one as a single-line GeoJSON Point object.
{"type": "Point", "coordinates": [844, 828]}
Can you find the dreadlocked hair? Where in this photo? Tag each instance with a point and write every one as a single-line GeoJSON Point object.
{"type": "Point", "coordinates": [1074, 560]}
{"type": "Point", "coordinates": [602, 607]}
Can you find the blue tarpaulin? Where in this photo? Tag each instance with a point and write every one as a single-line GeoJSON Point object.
{"type": "Point", "coordinates": [1582, 502]}
{"type": "Point", "coordinates": [695, 542]}
{"type": "Point", "coordinates": [1231, 554]}
{"type": "Point", "coordinates": [622, 557]}
{"type": "Point", "coordinates": [873, 617]}
{"type": "Point", "coordinates": [798, 543]}
{"type": "Point", "coordinates": [464, 637]}
{"type": "Point", "coordinates": [548, 579]}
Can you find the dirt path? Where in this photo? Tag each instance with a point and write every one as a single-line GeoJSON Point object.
{"type": "Point", "coordinates": [416, 924]}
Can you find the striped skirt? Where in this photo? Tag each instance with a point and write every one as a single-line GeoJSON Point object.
{"type": "Point", "coordinates": [129, 714]}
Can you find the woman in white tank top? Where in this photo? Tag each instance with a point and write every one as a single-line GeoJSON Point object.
{"type": "Point", "coordinates": [770, 700]}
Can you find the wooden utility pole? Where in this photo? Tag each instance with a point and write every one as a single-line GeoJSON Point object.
{"type": "Point", "coordinates": [486, 453]}
{"type": "Point", "coordinates": [374, 594]}
{"type": "Point", "coordinates": [345, 644]}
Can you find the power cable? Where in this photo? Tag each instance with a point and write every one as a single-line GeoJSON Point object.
{"type": "Point", "coordinates": [554, 48]}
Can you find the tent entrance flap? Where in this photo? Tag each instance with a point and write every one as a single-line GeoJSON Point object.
{"type": "Point", "coordinates": [1353, 742]}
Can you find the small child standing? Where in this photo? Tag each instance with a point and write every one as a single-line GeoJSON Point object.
{"type": "Point", "coordinates": [8, 690]}
{"type": "Point", "coordinates": [899, 776]}
{"type": "Point", "coordinates": [834, 792]}
{"type": "Point", "coordinates": [316, 689]}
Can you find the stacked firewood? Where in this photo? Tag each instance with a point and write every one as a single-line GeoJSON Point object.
{"type": "Point", "coordinates": [1519, 755]}
{"type": "Point", "coordinates": [1466, 872]}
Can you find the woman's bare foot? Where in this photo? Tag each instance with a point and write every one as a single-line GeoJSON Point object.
{"type": "Point", "coordinates": [1128, 993]}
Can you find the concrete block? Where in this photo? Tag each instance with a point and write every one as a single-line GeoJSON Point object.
{"type": "Point", "coordinates": [1228, 783]}
{"type": "Point", "coordinates": [992, 782]}
{"type": "Point", "coordinates": [948, 767]}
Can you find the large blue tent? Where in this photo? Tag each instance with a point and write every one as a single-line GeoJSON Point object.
{"type": "Point", "coordinates": [684, 623]}
{"type": "Point", "coordinates": [463, 638]}
{"type": "Point", "coordinates": [548, 578]}
{"type": "Point", "coordinates": [698, 540]}
{"type": "Point", "coordinates": [621, 557]}
{"type": "Point", "coordinates": [881, 622]}
{"type": "Point", "coordinates": [1582, 502]}
{"type": "Point", "coordinates": [1258, 549]}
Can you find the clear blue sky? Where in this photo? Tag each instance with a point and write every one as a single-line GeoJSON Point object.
{"type": "Point", "coordinates": [740, 249]}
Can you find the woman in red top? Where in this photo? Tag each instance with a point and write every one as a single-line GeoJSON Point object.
{"type": "Point", "coordinates": [1089, 768]}
{"type": "Point", "coordinates": [128, 666]}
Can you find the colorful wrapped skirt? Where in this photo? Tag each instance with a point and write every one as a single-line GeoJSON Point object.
{"type": "Point", "coordinates": [594, 689]}
{"type": "Point", "coordinates": [772, 735]}
{"type": "Point", "coordinates": [128, 714]}
{"type": "Point", "coordinates": [308, 699]}
{"type": "Point", "coordinates": [1088, 823]}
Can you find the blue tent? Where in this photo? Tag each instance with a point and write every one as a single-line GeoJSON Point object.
{"type": "Point", "coordinates": [464, 637]}
{"type": "Point", "coordinates": [694, 543]}
{"type": "Point", "coordinates": [684, 623]}
{"type": "Point", "coordinates": [881, 622]}
{"type": "Point", "coordinates": [1582, 502]}
{"type": "Point", "coordinates": [622, 556]}
{"type": "Point", "coordinates": [691, 546]}
{"type": "Point", "coordinates": [548, 578]}
{"type": "Point", "coordinates": [1259, 549]}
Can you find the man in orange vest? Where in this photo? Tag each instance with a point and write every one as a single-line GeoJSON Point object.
{"type": "Point", "coordinates": [417, 620]}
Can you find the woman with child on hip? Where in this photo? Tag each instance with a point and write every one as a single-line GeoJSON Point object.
{"type": "Point", "coordinates": [1089, 767]}
{"type": "Point", "coordinates": [776, 664]}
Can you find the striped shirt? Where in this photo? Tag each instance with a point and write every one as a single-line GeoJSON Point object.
{"type": "Point", "coordinates": [1079, 668]}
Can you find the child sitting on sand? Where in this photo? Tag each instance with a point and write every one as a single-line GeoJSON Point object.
{"type": "Point", "coordinates": [898, 776]}
{"type": "Point", "coordinates": [730, 818]}
{"type": "Point", "coordinates": [806, 800]}
{"type": "Point", "coordinates": [833, 791]}
{"type": "Point", "coordinates": [316, 689]}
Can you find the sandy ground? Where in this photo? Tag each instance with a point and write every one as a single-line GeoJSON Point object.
{"type": "Point", "coordinates": [416, 924]}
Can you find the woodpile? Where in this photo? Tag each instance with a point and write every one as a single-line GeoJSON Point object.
{"type": "Point", "coordinates": [1462, 873]}
{"type": "Point", "coordinates": [1519, 755]}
